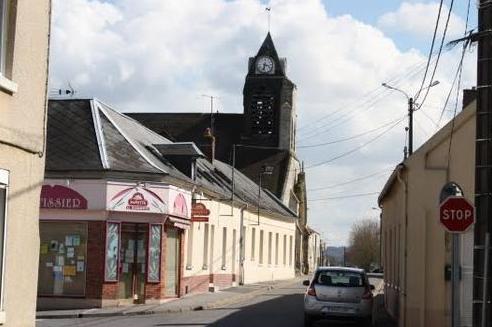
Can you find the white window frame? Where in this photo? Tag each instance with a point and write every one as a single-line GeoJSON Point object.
{"type": "Point", "coordinates": [5, 83]}
{"type": "Point", "coordinates": [4, 184]}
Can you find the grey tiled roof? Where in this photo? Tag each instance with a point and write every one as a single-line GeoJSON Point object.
{"type": "Point", "coordinates": [218, 178]}
{"type": "Point", "coordinates": [88, 135]}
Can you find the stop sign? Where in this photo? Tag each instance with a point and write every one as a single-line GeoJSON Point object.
{"type": "Point", "coordinates": [457, 214]}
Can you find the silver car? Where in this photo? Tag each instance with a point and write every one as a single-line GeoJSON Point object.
{"type": "Point", "coordinates": [338, 293]}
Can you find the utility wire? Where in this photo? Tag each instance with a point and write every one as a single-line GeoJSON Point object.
{"type": "Point", "coordinates": [458, 89]}
{"type": "Point", "coordinates": [436, 27]}
{"type": "Point", "coordinates": [357, 148]}
{"type": "Point", "coordinates": [348, 138]}
{"type": "Point", "coordinates": [348, 114]}
{"type": "Point", "coordinates": [345, 196]}
{"type": "Point", "coordinates": [396, 78]}
{"type": "Point", "coordinates": [438, 55]}
{"type": "Point", "coordinates": [386, 170]}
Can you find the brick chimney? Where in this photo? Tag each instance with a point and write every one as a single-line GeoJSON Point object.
{"type": "Point", "coordinates": [210, 147]}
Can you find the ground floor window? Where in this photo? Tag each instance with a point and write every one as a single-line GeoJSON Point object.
{"type": "Point", "coordinates": [4, 183]}
{"type": "Point", "coordinates": [62, 258]}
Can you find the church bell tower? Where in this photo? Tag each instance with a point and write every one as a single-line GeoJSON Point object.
{"type": "Point", "coordinates": [268, 100]}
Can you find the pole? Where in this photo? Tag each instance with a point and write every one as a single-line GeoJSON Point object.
{"type": "Point", "coordinates": [483, 166]}
{"type": "Point", "coordinates": [455, 282]}
{"type": "Point", "coordinates": [410, 126]}
{"type": "Point", "coordinates": [485, 280]}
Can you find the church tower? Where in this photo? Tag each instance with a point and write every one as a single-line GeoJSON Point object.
{"type": "Point", "coordinates": [268, 100]}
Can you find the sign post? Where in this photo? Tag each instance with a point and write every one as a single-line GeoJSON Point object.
{"type": "Point", "coordinates": [457, 215]}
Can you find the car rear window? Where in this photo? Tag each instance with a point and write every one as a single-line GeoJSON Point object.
{"type": "Point", "coordinates": [340, 278]}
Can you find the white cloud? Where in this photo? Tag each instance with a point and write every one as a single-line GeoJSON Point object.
{"type": "Point", "coordinates": [155, 55]}
{"type": "Point", "coordinates": [419, 19]}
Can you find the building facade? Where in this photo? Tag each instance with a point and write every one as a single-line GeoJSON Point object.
{"type": "Point", "coordinates": [128, 216]}
{"type": "Point", "coordinates": [24, 41]}
{"type": "Point", "coordinates": [416, 250]}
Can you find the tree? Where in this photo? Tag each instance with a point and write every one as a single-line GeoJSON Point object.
{"type": "Point", "coordinates": [364, 244]}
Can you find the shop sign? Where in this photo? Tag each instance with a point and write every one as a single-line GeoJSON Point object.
{"type": "Point", "coordinates": [61, 197]}
{"type": "Point", "coordinates": [137, 199]}
{"type": "Point", "coordinates": [199, 213]}
{"type": "Point", "coordinates": [180, 208]}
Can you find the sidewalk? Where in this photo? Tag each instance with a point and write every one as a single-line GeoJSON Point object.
{"type": "Point", "coordinates": [187, 303]}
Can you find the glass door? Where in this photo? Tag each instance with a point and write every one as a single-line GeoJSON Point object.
{"type": "Point", "coordinates": [133, 261]}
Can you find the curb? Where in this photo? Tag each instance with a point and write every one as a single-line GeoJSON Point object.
{"type": "Point", "coordinates": [212, 305]}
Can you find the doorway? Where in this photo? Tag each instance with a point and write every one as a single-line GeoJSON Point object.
{"type": "Point", "coordinates": [133, 261]}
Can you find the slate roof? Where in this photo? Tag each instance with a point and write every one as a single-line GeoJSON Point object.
{"type": "Point", "coordinates": [87, 135]}
{"type": "Point", "coordinates": [218, 178]}
{"type": "Point", "coordinates": [189, 127]}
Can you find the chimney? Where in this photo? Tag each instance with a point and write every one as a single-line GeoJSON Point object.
{"type": "Point", "coordinates": [469, 95]}
{"type": "Point", "coordinates": [210, 147]}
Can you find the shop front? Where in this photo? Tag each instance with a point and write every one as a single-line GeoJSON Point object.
{"type": "Point", "coordinates": [107, 243]}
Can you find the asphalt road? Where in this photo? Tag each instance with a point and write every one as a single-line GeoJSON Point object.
{"type": "Point", "coordinates": [281, 307]}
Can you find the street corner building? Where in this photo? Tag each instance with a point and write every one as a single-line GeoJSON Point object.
{"type": "Point", "coordinates": [416, 249]}
{"type": "Point", "coordinates": [127, 216]}
{"type": "Point", "coordinates": [262, 137]}
{"type": "Point", "coordinates": [24, 41]}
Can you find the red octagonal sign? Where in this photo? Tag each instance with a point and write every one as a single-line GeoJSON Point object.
{"type": "Point", "coordinates": [457, 214]}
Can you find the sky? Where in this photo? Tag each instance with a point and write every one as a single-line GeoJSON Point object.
{"type": "Point", "coordinates": [155, 56]}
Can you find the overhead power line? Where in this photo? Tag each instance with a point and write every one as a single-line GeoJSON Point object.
{"type": "Point", "coordinates": [356, 148]}
{"type": "Point", "coordinates": [379, 173]}
{"type": "Point", "coordinates": [344, 196]}
{"type": "Point", "coordinates": [348, 138]}
{"type": "Point", "coordinates": [443, 38]}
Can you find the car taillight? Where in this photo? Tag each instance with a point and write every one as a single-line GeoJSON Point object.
{"type": "Point", "coordinates": [367, 294]}
{"type": "Point", "coordinates": [311, 291]}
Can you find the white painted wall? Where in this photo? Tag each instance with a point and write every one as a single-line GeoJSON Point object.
{"type": "Point", "coordinates": [223, 216]}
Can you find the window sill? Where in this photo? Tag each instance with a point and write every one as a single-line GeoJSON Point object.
{"type": "Point", "coordinates": [7, 85]}
{"type": "Point", "coordinates": [2, 318]}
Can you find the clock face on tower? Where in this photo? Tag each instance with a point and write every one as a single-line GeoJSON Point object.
{"type": "Point", "coordinates": [264, 65]}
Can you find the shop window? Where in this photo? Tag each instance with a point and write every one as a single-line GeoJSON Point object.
{"type": "Point", "coordinates": [172, 261]}
{"type": "Point", "coordinates": [253, 241]}
{"type": "Point", "coordinates": [205, 247]}
{"type": "Point", "coordinates": [189, 248]}
{"type": "Point", "coordinates": [112, 245]}
{"type": "Point", "coordinates": [276, 248]}
{"type": "Point", "coordinates": [224, 247]}
{"type": "Point", "coordinates": [154, 264]}
{"type": "Point", "coordinates": [62, 258]}
{"type": "Point", "coordinates": [284, 252]}
{"type": "Point", "coordinates": [233, 264]}
{"type": "Point", "coordinates": [4, 183]}
{"type": "Point", "coordinates": [261, 247]}
{"type": "Point", "coordinates": [290, 250]}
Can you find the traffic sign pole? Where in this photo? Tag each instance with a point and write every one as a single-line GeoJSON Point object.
{"type": "Point", "coordinates": [455, 281]}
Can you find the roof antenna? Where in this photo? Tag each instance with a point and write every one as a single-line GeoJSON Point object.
{"type": "Point", "coordinates": [268, 9]}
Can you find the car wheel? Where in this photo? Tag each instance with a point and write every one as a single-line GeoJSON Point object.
{"type": "Point", "coordinates": [308, 320]}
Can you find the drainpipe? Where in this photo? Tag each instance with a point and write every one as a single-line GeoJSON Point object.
{"type": "Point", "coordinates": [405, 186]}
{"type": "Point", "coordinates": [241, 245]}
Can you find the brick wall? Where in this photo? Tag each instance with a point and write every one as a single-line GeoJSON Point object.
{"type": "Point", "coordinates": [195, 284]}
{"type": "Point", "coordinates": [96, 288]}
{"type": "Point", "coordinates": [223, 280]}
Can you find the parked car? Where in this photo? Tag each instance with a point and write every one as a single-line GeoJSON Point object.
{"type": "Point", "coordinates": [338, 293]}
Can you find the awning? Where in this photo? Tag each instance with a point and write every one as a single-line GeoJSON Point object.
{"type": "Point", "coordinates": [179, 222]}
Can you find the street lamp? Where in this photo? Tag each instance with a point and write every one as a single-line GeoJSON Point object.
{"type": "Point", "coordinates": [410, 111]}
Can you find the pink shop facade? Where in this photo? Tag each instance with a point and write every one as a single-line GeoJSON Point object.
{"type": "Point", "coordinates": [105, 243]}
